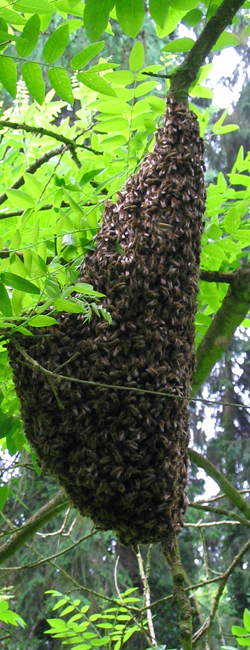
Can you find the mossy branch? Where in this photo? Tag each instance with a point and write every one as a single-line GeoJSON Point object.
{"type": "Point", "coordinates": [221, 480]}
{"type": "Point", "coordinates": [39, 519]}
{"type": "Point", "coordinates": [186, 73]}
{"type": "Point", "coordinates": [232, 312]}
{"type": "Point", "coordinates": [172, 555]}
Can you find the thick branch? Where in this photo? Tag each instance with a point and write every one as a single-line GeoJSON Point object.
{"type": "Point", "coordinates": [216, 276]}
{"type": "Point", "coordinates": [39, 519]}
{"type": "Point", "coordinates": [221, 480]}
{"type": "Point", "coordinates": [180, 595]}
{"type": "Point", "coordinates": [186, 73]}
{"type": "Point", "coordinates": [232, 312]}
{"type": "Point", "coordinates": [71, 144]}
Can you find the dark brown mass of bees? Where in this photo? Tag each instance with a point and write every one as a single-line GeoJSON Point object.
{"type": "Point", "coordinates": [120, 455]}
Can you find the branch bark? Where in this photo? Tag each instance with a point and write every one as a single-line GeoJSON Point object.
{"type": "Point", "coordinates": [71, 144]}
{"type": "Point", "coordinates": [233, 310]}
{"type": "Point", "coordinates": [221, 480]}
{"type": "Point", "coordinates": [173, 557]}
{"type": "Point", "coordinates": [186, 73]}
{"type": "Point", "coordinates": [39, 519]}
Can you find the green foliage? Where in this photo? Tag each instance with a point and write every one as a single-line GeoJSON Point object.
{"type": "Point", "coordinates": [111, 628]}
{"type": "Point", "coordinates": [6, 614]}
{"type": "Point", "coordinates": [242, 634]}
{"type": "Point", "coordinates": [23, 31]}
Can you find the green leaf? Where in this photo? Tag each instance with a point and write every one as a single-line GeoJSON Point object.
{"type": "Point", "coordinates": [246, 619]}
{"type": "Point", "coordinates": [32, 184]}
{"type": "Point", "coordinates": [238, 632]}
{"type": "Point", "coordinates": [33, 77]}
{"type": "Point", "coordinates": [201, 91]}
{"type": "Point", "coordinates": [229, 128]}
{"type": "Point", "coordinates": [29, 37]}
{"type": "Point", "coordinates": [70, 608]}
{"type": "Point", "coordinates": [4, 491]}
{"type": "Point", "coordinates": [4, 36]}
{"type": "Point", "coordinates": [99, 642]}
{"type": "Point", "coordinates": [111, 126]}
{"type": "Point", "coordinates": [136, 58]}
{"type": "Point", "coordinates": [5, 304]}
{"type": "Point", "coordinates": [20, 199]}
{"type": "Point", "coordinates": [159, 11]}
{"type": "Point", "coordinates": [232, 221]}
{"type": "Point", "coordinates": [239, 179]}
{"type": "Point", "coordinates": [82, 287]}
{"type": "Point", "coordinates": [183, 5]}
{"type": "Point", "coordinates": [33, 6]}
{"type": "Point", "coordinates": [204, 72]}
{"type": "Point", "coordinates": [226, 39]}
{"type": "Point", "coordinates": [179, 45]}
{"type": "Point", "coordinates": [120, 77]}
{"type": "Point", "coordinates": [130, 15]}
{"type": "Point", "coordinates": [42, 321]}
{"type": "Point", "coordinates": [77, 208]}
{"type": "Point", "coordinates": [69, 306]}
{"type": "Point", "coordinates": [82, 646]}
{"type": "Point", "coordinates": [219, 122]}
{"type": "Point", "coordinates": [192, 18]}
{"type": "Point", "coordinates": [84, 57]}
{"type": "Point", "coordinates": [96, 15]}
{"type": "Point", "coordinates": [89, 175]}
{"type": "Point", "coordinates": [61, 83]}
{"type": "Point", "coordinates": [8, 74]}
{"type": "Point", "coordinates": [214, 232]}
{"type": "Point", "coordinates": [3, 26]}
{"type": "Point", "coordinates": [11, 16]}
{"type": "Point", "coordinates": [60, 602]}
{"type": "Point", "coordinates": [16, 282]}
{"type": "Point", "coordinates": [93, 81]}
{"type": "Point", "coordinates": [56, 44]}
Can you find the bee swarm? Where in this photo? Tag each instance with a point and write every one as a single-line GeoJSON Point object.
{"type": "Point", "coordinates": [120, 455]}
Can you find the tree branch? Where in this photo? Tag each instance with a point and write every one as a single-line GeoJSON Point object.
{"type": "Point", "coordinates": [219, 478]}
{"type": "Point", "coordinates": [216, 276]}
{"type": "Point", "coordinates": [71, 144]}
{"type": "Point", "coordinates": [186, 73]}
{"type": "Point", "coordinates": [18, 213]}
{"type": "Point", "coordinates": [209, 621]}
{"type": "Point", "coordinates": [173, 557]}
{"type": "Point", "coordinates": [221, 511]}
{"type": "Point", "coordinates": [233, 310]}
{"type": "Point", "coordinates": [33, 168]}
{"type": "Point", "coordinates": [39, 519]}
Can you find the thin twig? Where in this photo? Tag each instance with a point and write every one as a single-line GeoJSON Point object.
{"type": "Point", "coordinates": [209, 621]}
{"type": "Point", "coordinates": [146, 592]}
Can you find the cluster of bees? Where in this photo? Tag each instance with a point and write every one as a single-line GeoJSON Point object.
{"type": "Point", "coordinates": [122, 455]}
